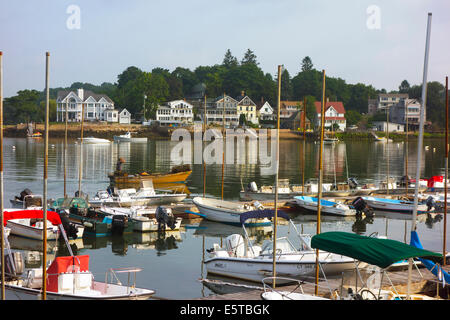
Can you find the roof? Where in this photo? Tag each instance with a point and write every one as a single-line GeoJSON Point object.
{"type": "Point", "coordinates": [86, 94]}
{"type": "Point", "coordinates": [337, 105]}
{"type": "Point", "coordinates": [286, 103]}
{"type": "Point", "coordinates": [379, 252]}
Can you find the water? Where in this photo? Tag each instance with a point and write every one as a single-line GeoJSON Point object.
{"type": "Point", "coordinates": [173, 265]}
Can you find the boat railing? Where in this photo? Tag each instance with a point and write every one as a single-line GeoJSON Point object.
{"type": "Point", "coordinates": [129, 270]}
{"type": "Point", "coordinates": [268, 288]}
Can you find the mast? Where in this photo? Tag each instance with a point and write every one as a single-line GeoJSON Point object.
{"type": "Point", "coordinates": [277, 161]}
{"type": "Point", "coordinates": [80, 170]}
{"type": "Point", "coordinates": [387, 148]}
{"type": "Point", "coordinates": [406, 158]}
{"type": "Point", "coordinates": [223, 141]}
{"type": "Point", "coordinates": [304, 144]}
{"type": "Point", "coordinates": [420, 144]}
{"type": "Point", "coordinates": [65, 150]}
{"type": "Point", "coordinates": [44, 229]}
{"type": "Point", "coordinates": [319, 196]}
{"type": "Point", "coordinates": [2, 228]}
{"type": "Point", "coordinates": [204, 164]}
{"type": "Point", "coordinates": [446, 170]}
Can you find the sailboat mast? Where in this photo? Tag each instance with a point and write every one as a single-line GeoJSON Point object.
{"type": "Point", "coordinates": [420, 143]}
{"type": "Point", "coordinates": [277, 161]}
{"type": "Point", "coordinates": [2, 228]}
{"type": "Point", "coordinates": [44, 229]}
{"type": "Point", "coordinates": [446, 171]}
{"type": "Point", "coordinates": [203, 160]}
{"type": "Point", "coordinates": [80, 170]}
{"type": "Point", "coordinates": [223, 141]}
{"type": "Point", "coordinates": [319, 196]}
{"type": "Point", "coordinates": [304, 144]}
{"type": "Point", "coordinates": [65, 151]}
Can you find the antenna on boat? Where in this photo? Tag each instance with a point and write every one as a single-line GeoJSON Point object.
{"type": "Point", "coordinates": [319, 196]}
{"type": "Point", "coordinates": [277, 160]}
{"type": "Point", "coordinates": [446, 171]}
{"type": "Point", "coordinates": [44, 229]}
{"type": "Point", "coordinates": [2, 236]}
{"type": "Point", "coordinates": [420, 144]}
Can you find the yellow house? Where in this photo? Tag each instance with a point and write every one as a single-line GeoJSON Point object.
{"type": "Point", "coordinates": [247, 107]}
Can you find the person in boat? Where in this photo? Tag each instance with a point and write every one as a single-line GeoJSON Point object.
{"type": "Point", "coordinates": [119, 165]}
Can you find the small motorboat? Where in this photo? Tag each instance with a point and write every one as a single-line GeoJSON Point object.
{"type": "Point", "coordinates": [327, 206]}
{"type": "Point", "coordinates": [128, 138]}
{"type": "Point", "coordinates": [94, 140]}
{"type": "Point", "coordinates": [394, 205]}
{"type": "Point", "coordinates": [228, 211]}
{"type": "Point", "coordinates": [26, 199]}
{"type": "Point", "coordinates": [239, 258]}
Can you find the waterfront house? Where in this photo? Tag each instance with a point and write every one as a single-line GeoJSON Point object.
{"type": "Point", "coordinates": [264, 111]}
{"type": "Point", "coordinates": [111, 115]}
{"type": "Point", "coordinates": [334, 114]}
{"type": "Point", "coordinates": [215, 111]}
{"type": "Point", "coordinates": [175, 113]}
{"type": "Point", "coordinates": [385, 100]}
{"type": "Point", "coordinates": [247, 107]}
{"type": "Point", "coordinates": [95, 105]}
{"type": "Point", "coordinates": [410, 107]}
{"type": "Point", "coordinates": [391, 126]}
{"type": "Point", "coordinates": [289, 108]}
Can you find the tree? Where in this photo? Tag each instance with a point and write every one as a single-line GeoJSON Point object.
{"type": "Point", "coordinates": [229, 60]}
{"type": "Point", "coordinates": [352, 117]}
{"type": "Point", "coordinates": [249, 58]}
{"type": "Point", "coordinates": [311, 112]}
{"type": "Point", "coordinates": [307, 64]}
{"type": "Point", "coordinates": [404, 87]}
{"type": "Point", "coordinates": [24, 107]}
{"type": "Point", "coordinates": [286, 85]}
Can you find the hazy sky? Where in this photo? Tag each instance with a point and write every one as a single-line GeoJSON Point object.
{"type": "Point", "coordinates": [114, 35]}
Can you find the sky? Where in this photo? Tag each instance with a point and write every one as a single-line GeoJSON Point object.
{"type": "Point", "coordinates": [377, 42]}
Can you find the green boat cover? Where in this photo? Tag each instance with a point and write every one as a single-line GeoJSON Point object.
{"type": "Point", "coordinates": [379, 252]}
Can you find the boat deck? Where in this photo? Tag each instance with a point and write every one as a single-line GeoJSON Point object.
{"type": "Point", "coordinates": [423, 282]}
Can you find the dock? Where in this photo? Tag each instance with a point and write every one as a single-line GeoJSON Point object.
{"type": "Point", "coordinates": [422, 282]}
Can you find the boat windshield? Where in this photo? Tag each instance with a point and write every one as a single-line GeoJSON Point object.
{"type": "Point", "coordinates": [283, 245]}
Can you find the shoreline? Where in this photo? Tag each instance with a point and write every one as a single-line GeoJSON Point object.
{"type": "Point", "coordinates": [100, 130]}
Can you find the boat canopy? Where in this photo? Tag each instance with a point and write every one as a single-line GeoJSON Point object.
{"type": "Point", "coordinates": [52, 216]}
{"type": "Point", "coordinates": [266, 213]}
{"type": "Point", "coordinates": [379, 252]}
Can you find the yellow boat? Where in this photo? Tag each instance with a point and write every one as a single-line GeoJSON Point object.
{"type": "Point", "coordinates": [159, 179]}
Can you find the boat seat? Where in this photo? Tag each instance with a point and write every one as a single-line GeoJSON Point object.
{"type": "Point", "coordinates": [34, 278]}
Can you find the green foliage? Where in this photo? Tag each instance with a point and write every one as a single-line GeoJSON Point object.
{"type": "Point", "coordinates": [311, 112]}
{"type": "Point", "coordinates": [352, 117]}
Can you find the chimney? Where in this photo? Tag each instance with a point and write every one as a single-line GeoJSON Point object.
{"type": "Point", "coordinates": [328, 99]}
{"type": "Point", "coordinates": [80, 93]}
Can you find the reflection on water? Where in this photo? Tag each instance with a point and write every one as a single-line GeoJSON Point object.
{"type": "Point", "coordinates": [173, 263]}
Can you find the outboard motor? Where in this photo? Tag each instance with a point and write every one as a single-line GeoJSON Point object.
{"type": "Point", "coordinates": [164, 216]}
{"type": "Point", "coordinates": [69, 227]}
{"type": "Point", "coordinates": [24, 193]}
{"type": "Point", "coordinates": [119, 223]}
{"type": "Point", "coordinates": [352, 183]}
{"type": "Point", "coordinates": [361, 207]}
{"type": "Point", "coordinates": [252, 186]}
{"type": "Point", "coordinates": [431, 203]}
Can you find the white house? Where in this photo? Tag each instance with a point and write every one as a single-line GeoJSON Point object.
{"type": "Point", "coordinates": [124, 116]}
{"type": "Point", "coordinates": [334, 114]}
{"type": "Point", "coordinates": [95, 105]}
{"type": "Point", "coordinates": [392, 127]}
{"type": "Point", "coordinates": [264, 111]}
{"type": "Point", "coordinates": [111, 115]}
{"type": "Point", "coordinates": [175, 113]}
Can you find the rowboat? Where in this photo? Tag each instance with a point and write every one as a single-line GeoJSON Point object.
{"type": "Point", "coordinates": [394, 205]}
{"type": "Point", "coordinates": [327, 206]}
{"type": "Point", "coordinates": [239, 258]}
{"type": "Point", "coordinates": [226, 211]}
{"type": "Point", "coordinates": [134, 181]}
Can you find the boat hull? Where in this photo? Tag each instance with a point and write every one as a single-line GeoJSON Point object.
{"type": "Point", "coordinates": [255, 269]}
{"type": "Point", "coordinates": [30, 232]}
{"type": "Point", "coordinates": [380, 204]}
{"type": "Point", "coordinates": [325, 209]}
{"type": "Point", "coordinates": [123, 182]}
{"type": "Point", "coordinates": [226, 215]}
{"type": "Point", "coordinates": [142, 224]}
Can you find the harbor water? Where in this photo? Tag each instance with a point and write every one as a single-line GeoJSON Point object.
{"type": "Point", "coordinates": [172, 265]}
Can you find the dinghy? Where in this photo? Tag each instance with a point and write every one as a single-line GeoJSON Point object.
{"type": "Point", "coordinates": [227, 211]}
{"type": "Point", "coordinates": [327, 206]}
{"type": "Point", "coordinates": [239, 258]}
{"type": "Point", "coordinates": [94, 140]}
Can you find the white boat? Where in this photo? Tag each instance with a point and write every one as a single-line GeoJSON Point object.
{"type": "Point", "coordinates": [227, 211]}
{"type": "Point", "coordinates": [327, 206]}
{"type": "Point", "coordinates": [402, 206]}
{"type": "Point", "coordinates": [145, 196]}
{"type": "Point", "coordinates": [69, 278]}
{"type": "Point", "coordinates": [127, 138]}
{"type": "Point", "coordinates": [94, 140]}
{"type": "Point", "coordinates": [141, 221]}
{"type": "Point", "coordinates": [239, 258]}
{"type": "Point", "coordinates": [271, 293]}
